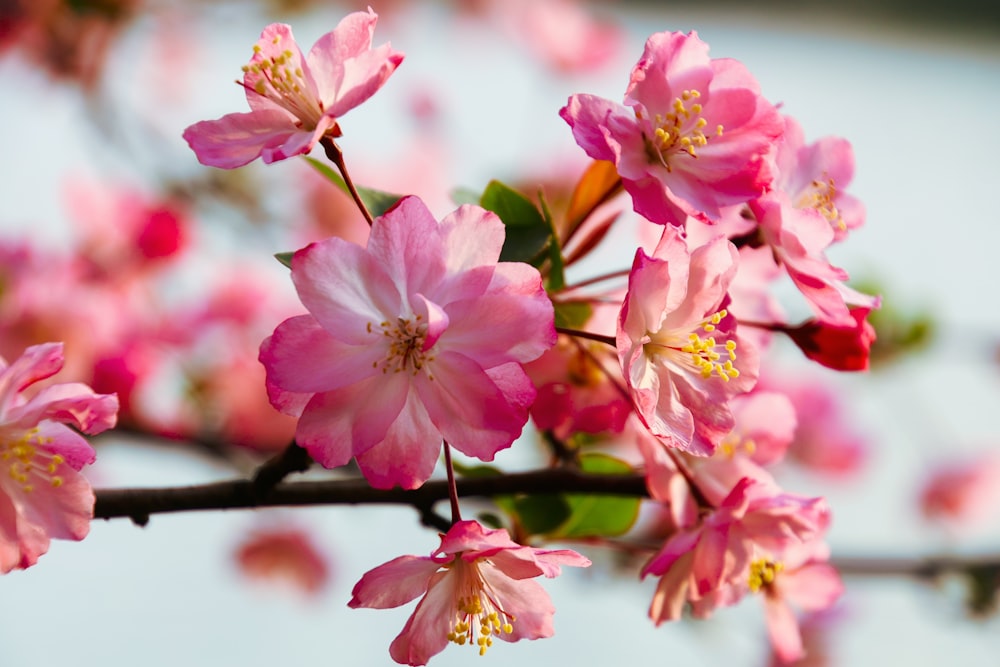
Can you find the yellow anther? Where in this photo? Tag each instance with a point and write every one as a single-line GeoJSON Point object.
{"type": "Point", "coordinates": [762, 573]}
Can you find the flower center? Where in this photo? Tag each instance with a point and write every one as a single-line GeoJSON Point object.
{"type": "Point", "coordinates": [478, 615]}
{"type": "Point", "coordinates": [734, 444]}
{"type": "Point", "coordinates": [819, 195]}
{"type": "Point", "coordinates": [682, 130]}
{"type": "Point", "coordinates": [703, 352]}
{"type": "Point", "coordinates": [27, 462]}
{"type": "Point", "coordinates": [406, 345]}
{"type": "Point", "coordinates": [763, 573]}
{"type": "Point", "coordinates": [281, 79]}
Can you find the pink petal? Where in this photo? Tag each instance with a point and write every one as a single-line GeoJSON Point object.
{"type": "Point", "coordinates": [345, 289]}
{"type": "Point", "coordinates": [301, 356]}
{"type": "Point", "coordinates": [363, 76]}
{"type": "Point", "coordinates": [526, 600]}
{"type": "Point", "coordinates": [783, 630]}
{"type": "Point", "coordinates": [72, 403]}
{"type": "Point", "coordinates": [473, 414]}
{"type": "Point", "coordinates": [35, 363]}
{"type": "Point", "coordinates": [426, 631]}
{"type": "Point", "coordinates": [345, 422]}
{"type": "Point", "coordinates": [394, 583]}
{"type": "Point", "coordinates": [239, 138]}
{"type": "Point", "coordinates": [406, 243]}
{"type": "Point", "coordinates": [407, 454]}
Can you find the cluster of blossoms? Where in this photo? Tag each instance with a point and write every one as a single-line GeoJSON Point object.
{"type": "Point", "coordinates": [424, 340]}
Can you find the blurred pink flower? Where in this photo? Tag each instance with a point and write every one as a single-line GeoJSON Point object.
{"type": "Point", "coordinates": [693, 136]}
{"type": "Point", "coordinates": [476, 587]}
{"type": "Point", "coordinates": [296, 100]}
{"type": "Point", "coordinates": [701, 563]}
{"type": "Point", "coordinates": [563, 33]}
{"type": "Point", "coordinates": [42, 493]}
{"type": "Point", "coordinates": [287, 554]}
{"type": "Point", "coordinates": [419, 337]}
{"type": "Point", "coordinates": [962, 493]}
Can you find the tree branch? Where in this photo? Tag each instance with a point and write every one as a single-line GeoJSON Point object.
{"type": "Point", "coordinates": [139, 504]}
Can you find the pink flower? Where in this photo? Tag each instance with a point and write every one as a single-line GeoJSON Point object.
{"type": "Point", "coordinates": [962, 493]}
{"type": "Point", "coordinates": [287, 554]}
{"type": "Point", "coordinates": [476, 587]}
{"type": "Point", "coordinates": [815, 176]}
{"type": "Point", "coordinates": [700, 564]}
{"type": "Point", "coordinates": [693, 136]}
{"type": "Point", "coordinates": [296, 100]}
{"type": "Point", "coordinates": [562, 33]}
{"type": "Point", "coordinates": [42, 493]}
{"type": "Point", "coordinates": [677, 343]}
{"type": "Point", "coordinates": [419, 337]}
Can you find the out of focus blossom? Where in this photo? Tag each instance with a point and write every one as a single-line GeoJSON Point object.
{"type": "Point", "coordinates": [562, 33]}
{"type": "Point", "coordinates": [962, 493]}
{"type": "Point", "coordinates": [43, 495]}
{"type": "Point", "coordinates": [284, 555]}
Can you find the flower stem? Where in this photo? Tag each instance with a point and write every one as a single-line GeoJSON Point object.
{"type": "Point", "coordinates": [456, 514]}
{"type": "Point", "coordinates": [336, 156]}
{"type": "Point", "coordinates": [600, 338]}
{"type": "Point", "coordinates": [597, 279]}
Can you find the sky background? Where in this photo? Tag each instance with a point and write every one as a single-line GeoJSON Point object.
{"type": "Point", "coordinates": [920, 108]}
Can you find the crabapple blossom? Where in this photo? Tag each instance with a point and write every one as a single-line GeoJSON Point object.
{"type": "Point", "coordinates": [842, 348]}
{"type": "Point", "coordinates": [693, 136]}
{"type": "Point", "coordinates": [677, 343]}
{"type": "Point", "coordinates": [815, 176]}
{"type": "Point", "coordinates": [296, 100]}
{"type": "Point", "coordinates": [475, 587]}
{"type": "Point", "coordinates": [418, 337]}
{"type": "Point", "coordinates": [699, 563]}
{"type": "Point", "coordinates": [42, 493]}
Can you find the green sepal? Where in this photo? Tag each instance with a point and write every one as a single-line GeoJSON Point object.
{"type": "Point", "coordinates": [285, 258]}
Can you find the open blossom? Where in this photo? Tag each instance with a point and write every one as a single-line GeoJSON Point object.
{"type": "Point", "coordinates": [476, 587]}
{"type": "Point", "coordinates": [419, 337]}
{"type": "Point", "coordinates": [295, 100]}
{"type": "Point", "coordinates": [42, 493]}
{"type": "Point", "coordinates": [815, 176]}
{"type": "Point", "coordinates": [704, 564]}
{"type": "Point", "coordinates": [694, 134]}
{"type": "Point", "coordinates": [677, 343]}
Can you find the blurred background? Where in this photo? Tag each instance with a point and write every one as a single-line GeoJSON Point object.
{"type": "Point", "coordinates": [158, 273]}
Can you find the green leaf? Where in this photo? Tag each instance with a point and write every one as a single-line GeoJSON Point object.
{"type": "Point", "coordinates": [599, 515]}
{"type": "Point", "coordinates": [573, 314]}
{"type": "Point", "coordinates": [285, 258]}
{"type": "Point", "coordinates": [556, 278]}
{"type": "Point", "coordinates": [542, 513]}
{"type": "Point", "coordinates": [376, 201]}
{"type": "Point", "coordinates": [527, 231]}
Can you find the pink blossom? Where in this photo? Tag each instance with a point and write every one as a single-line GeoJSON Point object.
{"type": "Point", "coordinates": [476, 587]}
{"type": "Point", "coordinates": [693, 136]}
{"type": "Point", "coordinates": [42, 493]}
{"type": "Point", "coordinates": [815, 176]}
{"type": "Point", "coordinates": [562, 33]}
{"type": "Point", "coordinates": [702, 562]}
{"type": "Point", "coordinates": [296, 100]}
{"type": "Point", "coordinates": [419, 337]}
{"type": "Point", "coordinates": [287, 554]}
{"type": "Point", "coordinates": [677, 343]}
{"type": "Point", "coordinates": [962, 493]}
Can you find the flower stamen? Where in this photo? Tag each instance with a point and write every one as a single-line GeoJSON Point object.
{"type": "Point", "coordinates": [679, 131]}
{"type": "Point", "coordinates": [406, 345]}
{"type": "Point", "coordinates": [763, 573]}
{"type": "Point", "coordinates": [28, 461]}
